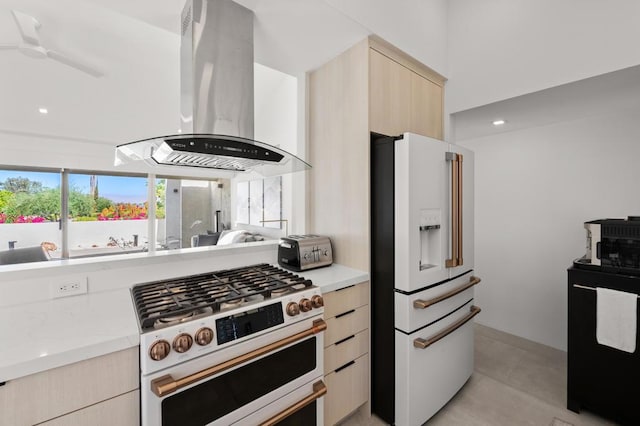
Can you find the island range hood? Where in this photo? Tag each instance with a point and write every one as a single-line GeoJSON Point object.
{"type": "Point", "coordinates": [216, 91]}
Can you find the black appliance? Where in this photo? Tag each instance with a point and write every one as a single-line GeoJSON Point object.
{"type": "Point", "coordinates": [600, 379]}
{"type": "Point", "coordinates": [613, 245]}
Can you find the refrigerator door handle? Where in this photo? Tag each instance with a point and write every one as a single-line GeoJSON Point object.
{"type": "Point", "coordinates": [421, 343]}
{"type": "Point", "coordinates": [455, 199]}
{"type": "Point", "coordinates": [460, 210]}
{"type": "Point", "coordinates": [424, 304]}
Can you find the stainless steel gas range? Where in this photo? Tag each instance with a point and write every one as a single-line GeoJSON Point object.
{"type": "Point", "coordinates": [238, 346]}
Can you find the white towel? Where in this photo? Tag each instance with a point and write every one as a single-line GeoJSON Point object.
{"type": "Point", "coordinates": [616, 320]}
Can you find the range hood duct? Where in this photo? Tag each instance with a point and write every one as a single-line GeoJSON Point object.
{"type": "Point", "coordinates": [216, 99]}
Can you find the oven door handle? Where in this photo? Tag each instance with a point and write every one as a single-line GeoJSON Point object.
{"type": "Point", "coordinates": [167, 384]}
{"type": "Point", "coordinates": [319, 390]}
{"type": "Point", "coordinates": [425, 343]}
{"type": "Point", "coordinates": [423, 304]}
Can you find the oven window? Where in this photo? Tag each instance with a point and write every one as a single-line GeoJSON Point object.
{"type": "Point", "coordinates": [224, 394]}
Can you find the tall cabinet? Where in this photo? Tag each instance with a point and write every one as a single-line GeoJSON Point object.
{"type": "Point", "coordinates": [372, 87]}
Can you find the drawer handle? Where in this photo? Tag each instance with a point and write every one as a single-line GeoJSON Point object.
{"type": "Point", "coordinates": [349, 364]}
{"type": "Point", "coordinates": [345, 339]}
{"type": "Point", "coordinates": [425, 343]}
{"type": "Point", "coordinates": [345, 313]}
{"type": "Point", "coordinates": [319, 390]}
{"type": "Point", "coordinates": [166, 384]}
{"type": "Point", "coordinates": [423, 304]}
{"type": "Point", "coordinates": [345, 288]}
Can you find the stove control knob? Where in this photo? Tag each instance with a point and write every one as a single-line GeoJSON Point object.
{"type": "Point", "coordinates": [305, 305]}
{"type": "Point", "coordinates": [204, 336]}
{"type": "Point", "coordinates": [182, 343]}
{"type": "Point", "coordinates": [292, 309]}
{"type": "Point", "coordinates": [159, 350]}
{"type": "Point", "coordinates": [317, 301]}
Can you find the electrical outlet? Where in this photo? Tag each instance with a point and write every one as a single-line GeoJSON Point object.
{"type": "Point", "coordinates": [70, 287]}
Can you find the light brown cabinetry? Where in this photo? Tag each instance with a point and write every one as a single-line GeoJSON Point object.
{"type": "Point", "coordinates": [372, 87]}
{"type": "Point", "coordinates": [390, 95]}
{"type": "Point", "coordinates": [346, 352]}
{"type": "Point", "coordinates": [98, 391]}
{"type": "Point", "coordinates": [402, 100]}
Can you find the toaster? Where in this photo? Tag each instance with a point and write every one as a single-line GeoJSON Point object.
{"type": "Point", "coordinates": [304, 252]}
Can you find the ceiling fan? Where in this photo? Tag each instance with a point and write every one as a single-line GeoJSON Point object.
{"type": "Point", "coordinates": [30, 46]}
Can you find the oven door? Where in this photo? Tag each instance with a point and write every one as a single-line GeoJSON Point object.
{"type": "Point", "coordinates": [228, 385]}
{"type": "Point", "coordinates": [302, 407]}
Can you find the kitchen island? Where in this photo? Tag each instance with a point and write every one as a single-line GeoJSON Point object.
{"type": "Point", "coordinates": [81, 338]}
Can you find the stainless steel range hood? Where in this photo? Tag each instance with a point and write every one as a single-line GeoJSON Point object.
{"type": "Point", "coordinates": [216, 91]}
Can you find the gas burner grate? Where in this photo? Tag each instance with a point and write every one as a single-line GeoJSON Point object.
{"type": "Point", "coordinates": [161, 303]}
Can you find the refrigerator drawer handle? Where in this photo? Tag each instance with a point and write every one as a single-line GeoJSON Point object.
{"type": "Point", "coordinates": [167, 384]}
{"type": "Point", "coordinates": [425, 343]}
{"type": "Point", "coordinates": [423, 304]}
{"type": "Point", "coordinates": [319, 390]}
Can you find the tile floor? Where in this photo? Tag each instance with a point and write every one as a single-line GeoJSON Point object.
{"type": "Point", "coordinates": [515, 382]}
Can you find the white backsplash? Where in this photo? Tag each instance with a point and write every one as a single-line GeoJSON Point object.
{"type": "Point", "coordinates": [19, 285]}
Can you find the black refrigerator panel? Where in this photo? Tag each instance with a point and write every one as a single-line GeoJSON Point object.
{"type": "Point", "coordinates": [382, 271]}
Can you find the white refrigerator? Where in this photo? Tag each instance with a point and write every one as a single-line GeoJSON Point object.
{"type": "Point", "coordinates": [421, 275]}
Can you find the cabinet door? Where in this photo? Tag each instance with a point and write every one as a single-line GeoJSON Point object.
{"type": "Point", "coordinates": [426, 107]}
{"type": "Point", "coordinates": [390, 95]}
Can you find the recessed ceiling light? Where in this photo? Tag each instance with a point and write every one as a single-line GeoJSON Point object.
{"type": "Point", "coordinates": [179, 130]}
{"type": "Point", "coordinates": [43, 110]}
{"type": "Point", "coordinates": [498, 122]}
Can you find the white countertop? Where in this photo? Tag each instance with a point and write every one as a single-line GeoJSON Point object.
{"type": "Point", "coordinates": [43, 335]}
{"type": "Point", "coordinates": [334, 277]}
{"type": "Point", "coordinates": [47, 334]}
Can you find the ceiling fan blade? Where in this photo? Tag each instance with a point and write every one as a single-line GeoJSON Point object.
{"type": "Point", "coordinates": [28, 27]}
{"type": "Point", "coordinates": [56, 56]}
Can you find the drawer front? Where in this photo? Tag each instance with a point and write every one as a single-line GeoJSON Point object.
{"type": "Point", "coordinates": [346, 324]}
{"type": "Point", "coordinates": [426, 379]}
{"type": "Point", "coordinates": [410, 310]}
{"type": "Point", "coordinates": [123, 410]}
{"type": "Point", "coordinates": [347, 389]}
{"type": "Point", "coordinates": [68, 388]}
{"type": "Point", "coordinates": [345, 350]}
{"type": "Point", "coordinates": [336, 302]}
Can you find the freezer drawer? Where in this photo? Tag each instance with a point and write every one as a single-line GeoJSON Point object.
{"type": "Point", "coordinates": [432, 364]}
{"type": "Point", "coordinates": [413, 311]}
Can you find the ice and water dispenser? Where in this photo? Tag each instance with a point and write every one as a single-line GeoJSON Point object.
{"type": "Point", "coordinates": [430, 238]}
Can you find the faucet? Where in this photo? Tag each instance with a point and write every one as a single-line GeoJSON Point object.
{"type": "Point", "coordinates": [12, 245]}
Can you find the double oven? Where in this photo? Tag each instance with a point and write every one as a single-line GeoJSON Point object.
{"type": "Point", "coordinates": [240, 346]}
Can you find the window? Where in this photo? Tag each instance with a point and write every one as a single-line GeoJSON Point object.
{"type": "Point", "coordinates": [259, 202]}
{"type": "Point", "coordinates": [30, 210]}
{"type": "Point", "coordinates": [191, 208]}
{"type": "Point", "coordinates": [107, 214]}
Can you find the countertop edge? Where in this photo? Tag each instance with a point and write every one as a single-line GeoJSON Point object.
{"type": "Point", "coordinates": [32, 366]}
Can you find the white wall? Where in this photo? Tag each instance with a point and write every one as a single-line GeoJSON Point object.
{"type": "Point", "coordinates": [534, 189]}
{"type": "Point", "coordinates": [138, 96]}
{"type": "Point", "coordinates": [499, 49]}
{"type": "Point", "coordinates": [418, 27]}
